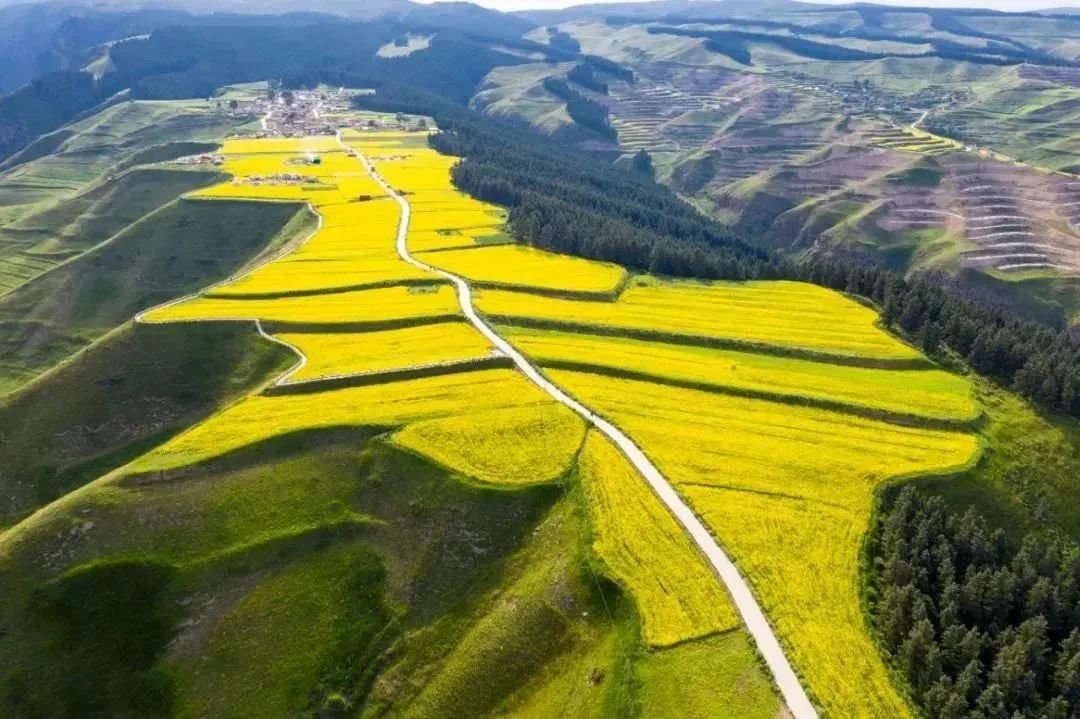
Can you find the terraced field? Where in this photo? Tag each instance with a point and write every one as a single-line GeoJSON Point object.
{"type": "Point", "coordinates": [776, 409]}
{"type": "Point", "coordinates": [78, 186]}
{"type": "Point", "coordinates": [908, 139]}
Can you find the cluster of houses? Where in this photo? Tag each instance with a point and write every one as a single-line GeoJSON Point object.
{"type": "Point", "coordinates": [285, 178]}
{"type": "Point", "coordinates": [300, 113]}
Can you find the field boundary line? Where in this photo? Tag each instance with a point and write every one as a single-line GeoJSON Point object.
{"type": "Point", "coordinates": [363, 379]}
{"type": "Point", "coordinates": [720, 343]}
{"type": "Point", "coordinates": [867, 412]}
{"type": "Point", "coordinates": [788, 682]}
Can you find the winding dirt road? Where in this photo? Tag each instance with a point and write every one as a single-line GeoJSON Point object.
{"type": "Point", "coordinates": [752, 615]}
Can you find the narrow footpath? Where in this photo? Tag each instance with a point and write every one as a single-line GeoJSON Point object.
{"type": "Point", "coordinates": [752, 615]}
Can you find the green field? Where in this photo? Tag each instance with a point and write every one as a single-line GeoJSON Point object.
{"type": "Point", "coordinates": [92, 293]}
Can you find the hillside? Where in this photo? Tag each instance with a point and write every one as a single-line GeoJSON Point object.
{"type": "Point", "coordinates": [391, 361]}
{"type": "Point", "coordinates": [807, 143]}
{"type": "Point", "coordinates": [617, 362]}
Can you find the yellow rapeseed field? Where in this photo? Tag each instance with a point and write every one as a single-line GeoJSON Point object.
{"type": "Point", "coordinates": [716, 439]}
{"type": "Point", "coordinates": [312, 274]}
{"type": "Point", "coordinates": [508, 446]}
{"type": "Point", "coordinates": [379, 217]}
{"type": "Point", "coordinates": [340, 353]}
{"type": "Point", "coordinates": [356, 243]}
{"type": "Point", "coordinates": [526, 266]}
{"type": "Point", "coordinates": [789, 491]}
{"type": "Point", "coordinates": [420, 201]}
{"type": "Point", "coordinates": [790, 315]}
{"type": "Point", "coordinates": [433, 240]}
{"type": "Point", "coordinates": [462, 219]}
{"type": "Point", "coordinates": [259, 417]}
{"type": "Point", "coordinates": [296, 162]}
{"type": "Point", "coordinates": [646, 550]}
{"type": "Point", "coordinates": [926, 393]}
{"type": "Point", "coordinates": [375, 305]}
{"type": "Point", "coordinates": [337, 179]}
{"type": "Point", "coordinates": [802, 559]}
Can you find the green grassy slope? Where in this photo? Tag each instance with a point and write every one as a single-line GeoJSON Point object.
{"type": "Point", "coordinates": [330, 578]}
{"type": "Point", "coordinates": [34, 244]}
{"type": "Point", "coordinates": [117, 398]}
{"type": "Point", "coordinates": [85, 150]}
{"type": "Point", "coordinates": [1028, 478]}
{"type": "Point", "coordinates": [178, 249]}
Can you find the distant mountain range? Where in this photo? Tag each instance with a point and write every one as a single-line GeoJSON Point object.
{"type": "Point", "coordinates": [45, 37]}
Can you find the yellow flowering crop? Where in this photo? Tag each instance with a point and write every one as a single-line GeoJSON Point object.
{"type": "Point", "coordinates": [678, 595]}
{"type": "Point", "coordinates": [341, 353]}
{"type": "Point", "coordinates": [375, 305]}
{"type": "Point", "coordinates": [261, 417]}
{"type": "Point", "coordinates": [455, 220]}
{"type": "Point", "coordinates": [927, 393]}
{"type": "Point", "coordinates": [420, 201]}
{"type": "Point", "coordinates": [441, 203]}
{"type": "Point", "coordinates": [431, 240]}
{"type": "Point", "coordinates": [378, 217]}
{"type": "Point", "coordinates": [337, 179]}
{"type": "Point", "coordinates": [526, 266]}
{"type": "Point", "coordinates": [788, 490]}
{"type": "Point", "coordinates": [294, 163]}
{"type": "Point", "coordinates": [345, 240]}
{"type": "Point", "coordinates": [509, 446]}
{"type": "Point", "coordinates": [716, 439]}
{"type": "Point", "coordinates": [792, 315]}
{"type": "Point", "coordinates": [307, 275]}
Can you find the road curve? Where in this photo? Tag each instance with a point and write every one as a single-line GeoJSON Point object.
{"type": "Point", "coordinates": [752, 615]}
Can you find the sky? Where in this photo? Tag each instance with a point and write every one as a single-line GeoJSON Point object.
{"type": "Point", "coordinates": [994, 4]}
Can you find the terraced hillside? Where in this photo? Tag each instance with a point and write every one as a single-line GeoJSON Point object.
{"type": "Point", "coordinates": [304, 480]}
{"type": "Point", "coordinates": [81, 207]}
{"type": "Point", "coordinates": [778, 139]}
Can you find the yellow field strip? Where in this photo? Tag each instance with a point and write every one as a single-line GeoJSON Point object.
{"type": "Point", "coordinates": [511, 265]}
{"type": "Point", "coordinates": [513, 446]}
{"type": "Point", "coordinates": [356, 307]}
{"type": "Point", "coordinates": [677, 594]}
{"type": "Point", "coordinates": [791, 316]}
{"type": "Point", "coordinates": [339, 354]}
{"type": "Point", "coordinates": [259, 418]}
{"type": "Point", "coordinates": [931, 394]}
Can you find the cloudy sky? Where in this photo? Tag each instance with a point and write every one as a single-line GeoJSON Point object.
{"type": "Point", "coordinates": [996, 4]}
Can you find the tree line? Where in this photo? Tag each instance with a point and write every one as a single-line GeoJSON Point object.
{"type": "Point", "coordinates": [978, 629]}
{"type": "Point", "coordinates": [602, 64]}
{"type": "Point", "coordinates": [1039, 361]}
{"type": "Point", "coordinates": [583, 74]}
{"type": "Point", "coordinates": [582, 110]}
{"type": "Point", "coordinates": [996, 51]}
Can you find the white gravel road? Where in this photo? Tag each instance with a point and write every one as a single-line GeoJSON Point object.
{"type": "Point", "coordinates": [753, 617]}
